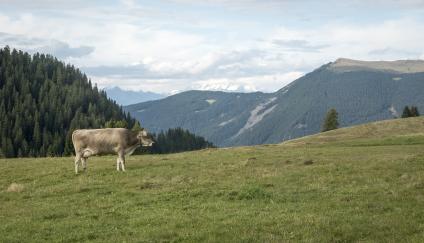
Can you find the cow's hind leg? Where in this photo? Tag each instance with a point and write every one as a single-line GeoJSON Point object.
{"type": "Point", "coordinates": [77, 159]}
{"type": "Point", "coordinates": [86, 153]}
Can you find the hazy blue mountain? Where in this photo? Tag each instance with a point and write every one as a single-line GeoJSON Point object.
{"type": "Point", "coordinates": [126, 97]}
{"type": "Point", "coordinates": [360, 91]}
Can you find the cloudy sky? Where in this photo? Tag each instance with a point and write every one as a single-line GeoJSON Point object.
{"type": "Point", "coordinates": [167, 46]}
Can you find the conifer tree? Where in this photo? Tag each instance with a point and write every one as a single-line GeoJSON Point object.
{"type": "Point", "coordinates": [406, 112]}
{"type": "Point", "coordinates": [136, 127]}
{"type": "Point", "coordinates": [331, 121]}
{"type": "Point", "coordinates": [414, 111]}
{"type": "Point", "coordinates": [121, 124]}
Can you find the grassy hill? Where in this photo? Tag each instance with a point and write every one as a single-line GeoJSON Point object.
{"type": "Point", "coordinates": [396, 132]}
{"type": "Point", "coordinates": [345, 185]}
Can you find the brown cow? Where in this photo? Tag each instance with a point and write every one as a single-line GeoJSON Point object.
{"type": "Point", "coordinates": [121, 141]}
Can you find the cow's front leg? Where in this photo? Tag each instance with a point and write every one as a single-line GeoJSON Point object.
{"type": "Point", "coordinates": [120, 164]}
{"type": "Point", "coordinates": [121, 161]}
{"type": "Point", "coordinates": [77, 159]}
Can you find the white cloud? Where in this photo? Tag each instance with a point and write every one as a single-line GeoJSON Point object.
{"type": "Point", "coordinates": [56, 48]}
{"type": "Point", "coordinates": [266, 83]}
{"type": "Point", "coordinates": [355, 41]}
{"type": "Point", "coordinates": [138, 45]}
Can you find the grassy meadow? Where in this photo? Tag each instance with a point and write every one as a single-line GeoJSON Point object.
{"type": "Point", "coordinates": [364, 183]}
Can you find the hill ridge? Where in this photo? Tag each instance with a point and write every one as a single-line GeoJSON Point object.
{"type": "Point", "coordinates": [397, 66]}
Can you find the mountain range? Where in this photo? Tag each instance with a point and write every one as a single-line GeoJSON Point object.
{"type": "Point", "coordinates": [126, 97]}
{"type": "Point", "coordinates": [361, 91]}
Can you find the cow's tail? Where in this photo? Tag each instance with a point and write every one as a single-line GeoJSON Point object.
{"type": "Point", "coordinates": [73, 140]}
{"type": "Point", "coordinates": [73, 135]}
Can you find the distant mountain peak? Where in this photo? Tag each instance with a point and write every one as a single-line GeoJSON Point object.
{"type": "Point", "coordinates": [399, 66]}
{"type": "Point", "coordinates": [127, 97]}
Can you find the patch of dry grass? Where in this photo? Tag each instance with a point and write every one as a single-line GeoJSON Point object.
{"type": "Point", "coordinates": [15, 187]}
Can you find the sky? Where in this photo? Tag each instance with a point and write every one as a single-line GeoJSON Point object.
{"type": "Point", "coordinates": [169, 46]}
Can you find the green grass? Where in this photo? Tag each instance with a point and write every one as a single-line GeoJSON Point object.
{"type": "Point", "coordinates": [358, 189]}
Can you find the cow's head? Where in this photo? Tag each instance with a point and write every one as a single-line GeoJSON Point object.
{"type": "Point", "coordinates": [144, 138]}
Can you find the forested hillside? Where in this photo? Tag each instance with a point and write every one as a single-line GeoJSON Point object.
{"type": "Point", "coordinates": [42, 101]}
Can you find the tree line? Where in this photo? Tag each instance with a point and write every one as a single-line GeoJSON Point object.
{"type": "Point", "coordinates": [177, 140]}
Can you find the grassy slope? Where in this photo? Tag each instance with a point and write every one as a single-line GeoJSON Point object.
{"type": "Point", "coordinates": [397, 131]}
{"type": "Point", "coordinates": [359, 188]}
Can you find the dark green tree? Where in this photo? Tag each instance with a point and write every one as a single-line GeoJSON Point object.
{"type": "Point", "coordinates": [121, 124]}
{"type": "Point", "coordinates": [414, 111]}
{"type": "Point", "coordinates": [331, 121]}
{"type": "Point", "coordinates": [110, 124]}
{"type": "Point", "coordinates": [137, 126]}
{"type": "Point", "coordinates": [116, 124]}
{"type": "Point", "coordinates": [406, 112]}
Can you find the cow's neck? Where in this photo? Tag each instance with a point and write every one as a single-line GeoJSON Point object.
{"type": "Point", "coordinates": [133, 140]}
{"type": "Point", "coordinates": [131, 149]}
